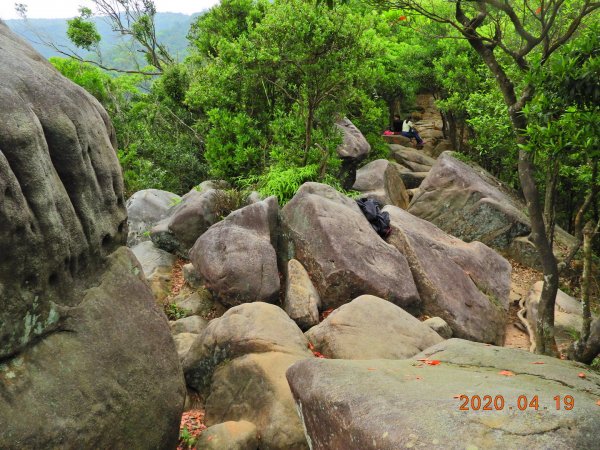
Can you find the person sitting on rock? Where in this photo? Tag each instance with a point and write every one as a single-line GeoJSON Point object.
{"type": "Point", "coordinates": [409, 130]}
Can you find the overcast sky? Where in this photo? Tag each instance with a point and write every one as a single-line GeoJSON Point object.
{"type": "Point", "coordinates": [37, 9]}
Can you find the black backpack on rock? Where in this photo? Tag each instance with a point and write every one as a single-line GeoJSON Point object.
{"type": "Point", "coordinates": [379, 220]}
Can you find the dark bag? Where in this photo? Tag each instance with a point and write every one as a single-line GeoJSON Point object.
{"type": "Point", "coordinates": [379, 220]}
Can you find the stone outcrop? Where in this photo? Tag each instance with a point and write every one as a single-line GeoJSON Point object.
{"type": "Point", "coordinates": [144, 210]}
{"type": "Point", "coordinates": [382, 180]}
{"type": "Point", "coordinates": [73, 302]}
{"type": "Point", "coordinates": [353, 149]}
{"type": "Point", "coordinates": [329, 235]}
{"type": "Point", "coordinates": [415, 160]}
{"type": "Point", "coordinates": [412, 404]}
{"type": "Point", "coordinates": [466, 284]}
{"type": "Point", "coordinates": [236, 257]}
{"type": "Point", "coordinates": [302, 300]}
{"type": "Point", "coordinates": [469, 203]}
{"type": "Point", "coordinates": [157, 266]}
{"type": "Point", "coordinates": [191, 217]}
{"type": "Point", "coordinates": [371, 328]}
{"type": "Point", "coordinates": [230, 435]}
{"type": "Point", "coordinates": [238, 365]}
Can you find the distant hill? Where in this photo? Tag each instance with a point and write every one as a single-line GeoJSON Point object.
{"type": "Point", "coordinates": [172, 29]}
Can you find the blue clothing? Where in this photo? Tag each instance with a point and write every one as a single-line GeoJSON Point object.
{"type": "Point", "coordinates": [413, 134]}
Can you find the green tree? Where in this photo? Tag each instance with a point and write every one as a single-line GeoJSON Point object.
{"type": "Point", "coordinates": [508, 40]}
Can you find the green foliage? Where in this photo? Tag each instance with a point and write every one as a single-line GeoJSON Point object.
{"type": "Point", "coordinates": [284, 182]}
{"type": "Point", "coordinates": [175, 312]}
{"type": "Point", "coordinates": [186, 438]}
{"type": "Point", "coordinates": [81, 31]}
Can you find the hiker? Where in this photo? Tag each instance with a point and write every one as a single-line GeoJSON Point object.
{"type": "Point", "coordinates": [408, 129]}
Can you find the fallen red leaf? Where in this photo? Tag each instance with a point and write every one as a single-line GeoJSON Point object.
{"type": "Point", "coordinates": [433, 362]}
{"type": "Point", "coordinates": [538, 362]}
{"type": "Point", "coordinates": [581, 375]}
{"type": "Point", "coordinates": [402, 18]}
{"type": "Point", "coordinates": [326, 313]}
{"type": "Point", "coordinates": [506, 373]}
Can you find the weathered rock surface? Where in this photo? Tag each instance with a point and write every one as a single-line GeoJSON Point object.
{"type": "Point", "coordinates": [253, 387]}
{"type": "Point", "coordinates": [383, 404]}
{"type": "Point", "coordinates": [409, 156]}
{"type": "Point", "coordinates": [72, 302]}
{"type": "Point", "coordinates": [302, 300]}
{"type": "Point", "coordinates": [230, 435]}
{"type": "Point", "coordinates": [157, 266]}
{"type": "Point", "coordinates": [250, 328]}
{"type": "Point", "coordinates": [440, 326]}
{"type": "Point", "coordinates": [236, 257]}
{"type": "Point", "coordinates": [568, 313]}
{"type": "Point", "coordinates": [196, 302]}
{"type": "Point", "coordinates": [190, 324]}
{"type": "Point", "coordinates": [469, 203]}
{"type": "Point", "coordinates": [196, 212]}
{"type": "Point", "coordinates": [183, 343]}
{"type": "Point", "coordinates": [329, 235]}
{"type": "Point", "coordinates": [354, 145]}
{"type": "Point", "coordinates": [371, 328]}
{"type": "Point", "coordinates": [352, 151]}
{"type": "Point", "coordinates": [191, 276]}
{"type": "Point", "coordinates": [467, 285]}
{"type": "Point", "coordinates": [238, 364]}
{"type": "Point", "coordinates": [144, 210]}
{"type": "Point", "coordinates": [396, 139]}
{"type": "Point", "coordinates": [109, 379]}
{"type": "Point", "coordinates": [382, 180]}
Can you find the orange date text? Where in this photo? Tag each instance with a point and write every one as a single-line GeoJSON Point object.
{"type": "Point", "coordinates": [521, 403]}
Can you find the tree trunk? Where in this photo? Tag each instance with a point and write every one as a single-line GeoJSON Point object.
{"type": "Point", "coordinates": [586, 348]}
{"type": "Point", "coordinates": [308, 135]}
{"type": "Point", "coordinates": [550, 199]}
{"type": "Point", "coordinates": [544, 334]}
{"type": "Point", "coordinates": [586, 278]}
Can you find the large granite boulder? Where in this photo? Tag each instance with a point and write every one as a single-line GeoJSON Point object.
{"type": "Point", "coordinates": [236, 257]}
{"type": "Point", "coordinates": [157, 266]}
{"type": "Point", "coordinates": [191, 217]}
{"type": "Point", "coordinates": [302, 300]}
{"type": "Point", "coordinates": [144, 210]}
{"type": "Point", "coordinates": [353, 149]}
{"type": "Point", "coordinates": [329, 235]}
{"type": "Point", "coordinates": [469, 203]}
{"type": "Point", "coordinates": [387, 405]}
{"type": "Point", "coordinates": [382, 180]}
{"type": "Point", "coordinates": [466, 284]}
{"type": "Point", "coordinates": [371, 328]}
{"type": "Point", "coordinates": [230, 435]}
{"type": "Point", "coordinates": [86, 358]}
{"type": "Point", "coordinates": [414, 159]}
{"type": "Point", "coordinates": [238, 365]}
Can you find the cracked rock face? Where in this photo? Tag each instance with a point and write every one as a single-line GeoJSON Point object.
{"type": "Point", "coordinates": [329, 235]}
{"type": "Point", "coordinates": [236, 257]}
{"type": "Point", "coordinates": [86, 359]}
{"type": "Point", "coordinates": [403, 404]}
{"type": "Point", "coordinates": [466, 284]}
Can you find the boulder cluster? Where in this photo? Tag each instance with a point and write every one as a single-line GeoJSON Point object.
{"type": "Point", "coordinates": [297, 327]}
